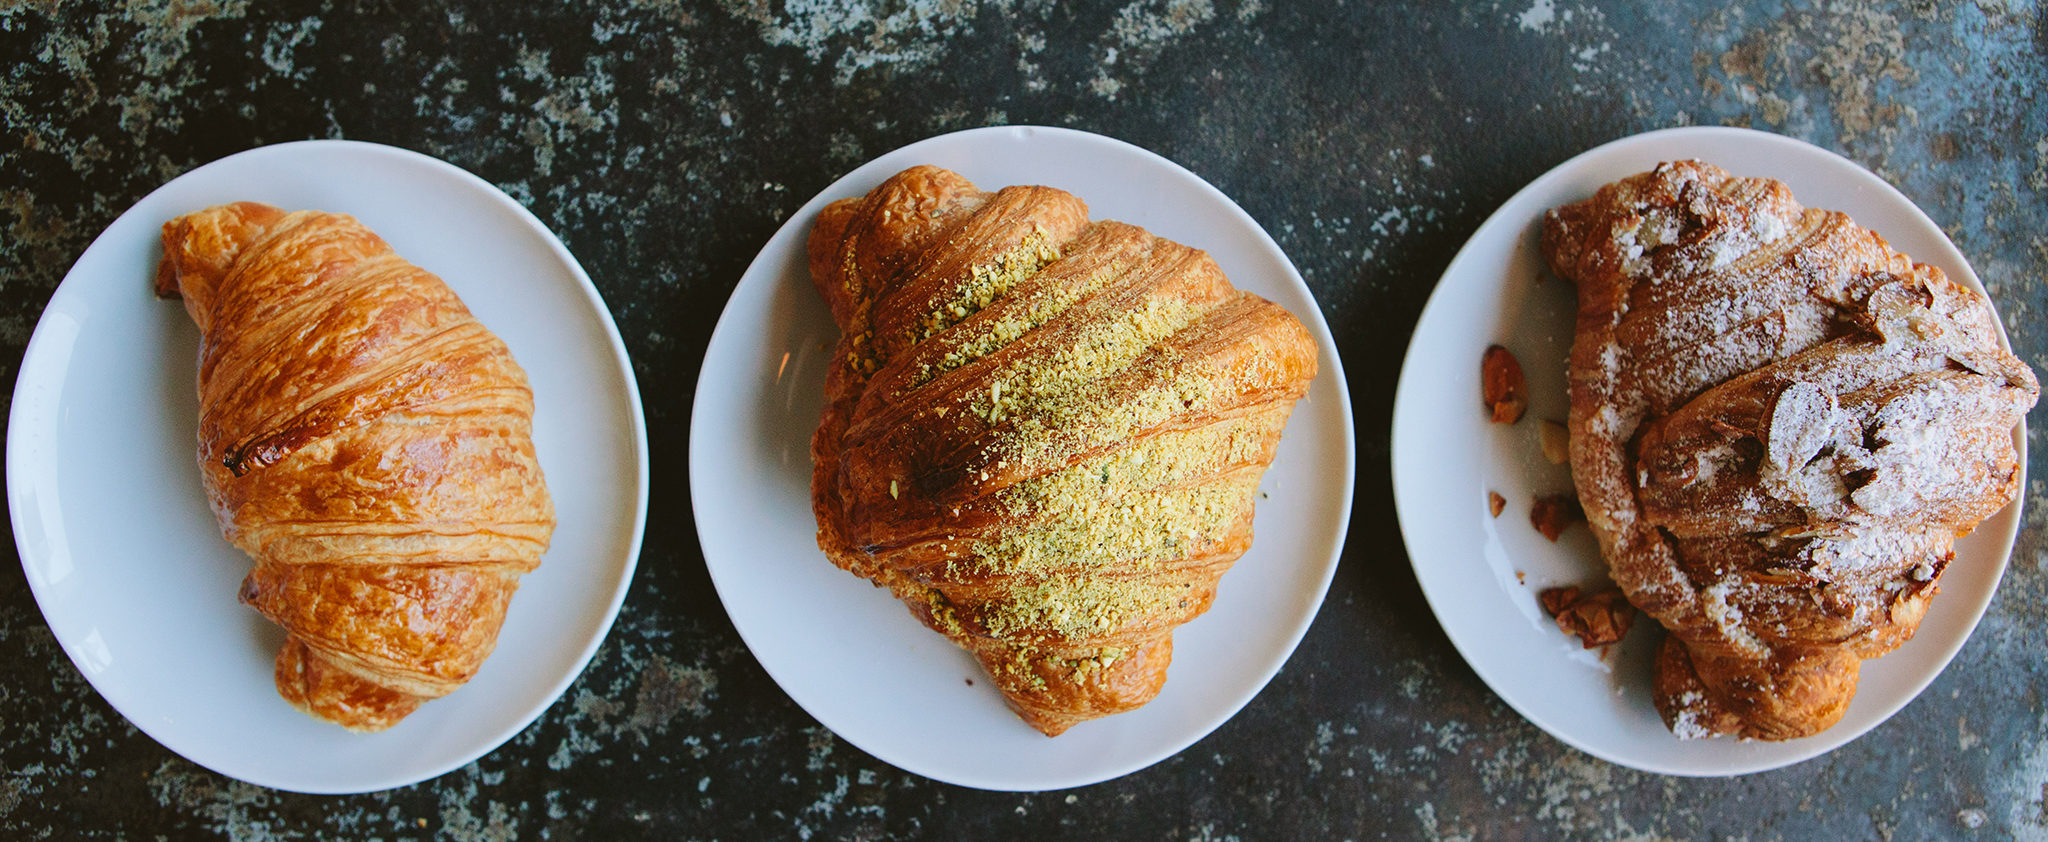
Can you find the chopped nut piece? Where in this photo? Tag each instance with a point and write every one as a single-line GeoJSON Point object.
{"type": "Point", "coordinates": [1495, 502]}
{"type": "Point", "coordinates": [1502, 386]}
{"type": "Point", "coordinates": [1597, 619]}
{"type": "Point", "coordinates": [1557, 442]}
{"type": "Point", "coordinates": [1552, 513]}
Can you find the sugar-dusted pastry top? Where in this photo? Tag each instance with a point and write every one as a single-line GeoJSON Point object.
{"type": "Point", "coordinates": [368, 443]}
{"type": "Point", "coordinates": [1043, 434]}
{"type": "Point", "coordinates": [1779, 427]}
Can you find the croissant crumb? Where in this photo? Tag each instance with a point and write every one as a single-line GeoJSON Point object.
{"type": "Point", "coordinates": [1600, 618]}
{"type": "Point", "coordinates": [1502, 387]}
{"type": "Point", "coordinates": [1551, 514]}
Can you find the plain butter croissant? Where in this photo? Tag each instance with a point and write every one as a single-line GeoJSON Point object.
{"type": "Point", "coordinates": [1043, 435]}
{"type": "Point", "coordinates": [367, 442]}
{"type": "Point", "coordinates": [1779, 428]}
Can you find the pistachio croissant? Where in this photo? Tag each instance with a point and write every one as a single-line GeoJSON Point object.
{"type": "Point", "coordinates": [1779, 427]}
{"type": "Point", "coordinates": [1043, 435]}
{"type": "Point", "coordinates": [367, 442]}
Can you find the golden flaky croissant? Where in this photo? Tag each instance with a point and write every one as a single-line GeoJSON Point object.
{"type": "Point", "coordinates": [1779, 427]}
{"type": "Point", "coordinates": [367, 442]}
{"type": "Point", "coordinates": [1042, 434]}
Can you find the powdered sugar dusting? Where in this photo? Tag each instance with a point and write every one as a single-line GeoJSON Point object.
{"type": "Point", "coordinates": [1687, 725]}
{"type": "Point", "coordinates": [1720, 600]}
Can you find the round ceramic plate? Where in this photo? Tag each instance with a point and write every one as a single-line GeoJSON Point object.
{"type": "Point", "coordinates": [128, 563]}
{"type": "Point", "coordinates": [1482, 574]}
{"type": "Point", "coordinates": [854, 657]}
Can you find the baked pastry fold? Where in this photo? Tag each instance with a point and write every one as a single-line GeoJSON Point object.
{"type": "Point", "coordinates": [1043, 434]}
{"type": "Point", "coordinates": [368, 443]}
{"type": "Point", "coordinates": [1780, 425]}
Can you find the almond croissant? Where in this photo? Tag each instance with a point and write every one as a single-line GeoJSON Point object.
{"type": "Point", "coordinates": [1042, 434]}
{"type": "Point", "coordinates": [1779, 428]}
{"type": "Point", "coordinates": [367, 442]}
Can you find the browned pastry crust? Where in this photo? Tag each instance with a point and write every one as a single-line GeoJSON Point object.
{"type": "Point", "coordinates": [367, 442]}
{"type": "Point", "coordinates": [1780, 425]}
{"type": "Point", "coordinates": [1042, 434]}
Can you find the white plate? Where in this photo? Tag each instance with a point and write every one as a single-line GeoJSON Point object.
{"type": "Point", "coordinates": [126, 558]}
{"type": "Point", "coordinates": [848, 652]}
{"type": "Point", "coordinates": [1447, 456]}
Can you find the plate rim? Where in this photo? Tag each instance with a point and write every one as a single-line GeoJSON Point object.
{"type": "Point", "coordinates": [1328, 359]}
{"type": "Point", "coordinates": [67, 289]}
{"type": "Point", "coordinates": [1409, 520]}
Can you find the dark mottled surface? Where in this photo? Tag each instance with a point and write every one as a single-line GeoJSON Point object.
{"type": "Point", "coordinates": [665, 141]}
